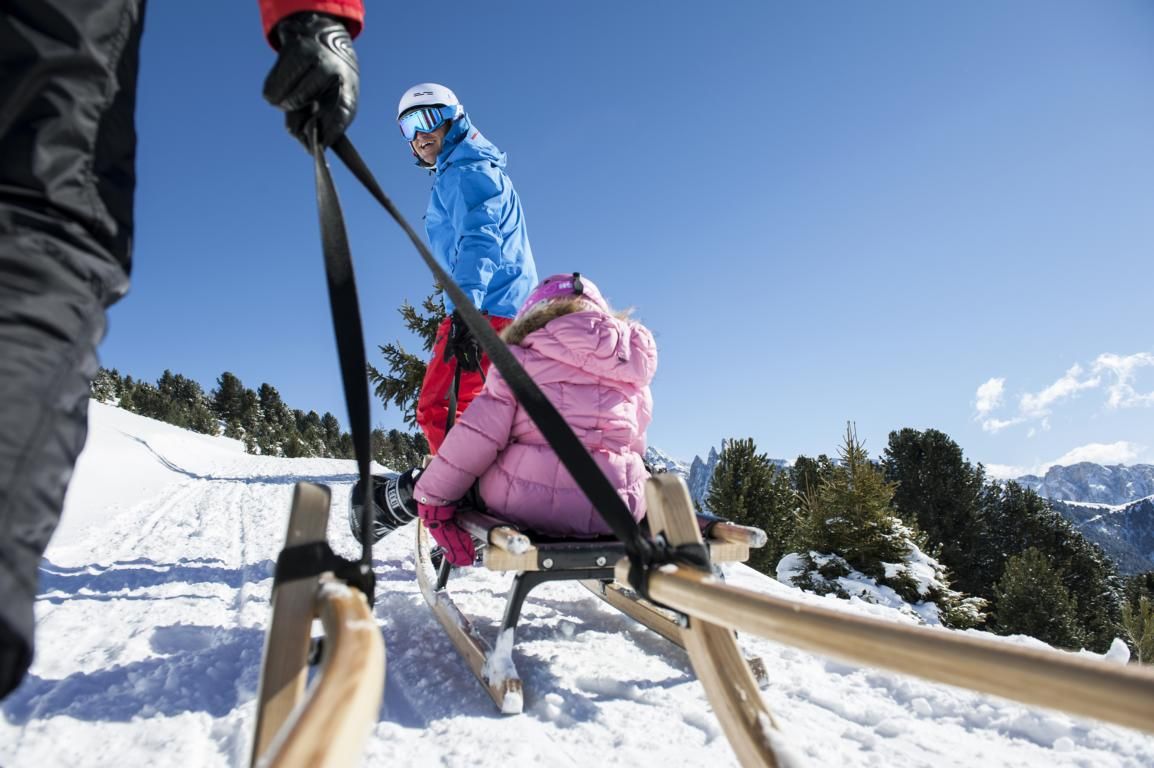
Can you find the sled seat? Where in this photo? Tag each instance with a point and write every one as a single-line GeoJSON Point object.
{"type": "Point", "coordinates": [513, 549]}
{"type": "Point", "coordinates": [537, 558]}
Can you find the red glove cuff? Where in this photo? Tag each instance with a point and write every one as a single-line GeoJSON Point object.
{"type": "Point", "coordinates": [432, 513]}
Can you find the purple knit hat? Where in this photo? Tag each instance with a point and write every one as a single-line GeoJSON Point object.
{"type": "Point", "coordinates": [569, 284]}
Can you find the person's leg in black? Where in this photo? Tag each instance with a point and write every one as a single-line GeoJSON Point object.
{"type": "Point", "coordinates": [67, 176]}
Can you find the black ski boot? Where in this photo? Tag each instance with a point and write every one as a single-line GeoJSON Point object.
{"type": "Point", "coordinates": [393, 504]}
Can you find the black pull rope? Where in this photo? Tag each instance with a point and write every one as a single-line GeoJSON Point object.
{"type": "Point", "coordinates": [347, 327]}
{"type": "Point", "coordinates": [454, 392]}
{"type": "Point", "coordinates": [642, 552]}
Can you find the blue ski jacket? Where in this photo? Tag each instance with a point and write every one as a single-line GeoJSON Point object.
{"type": "Point", "coordinates": [475, 224]}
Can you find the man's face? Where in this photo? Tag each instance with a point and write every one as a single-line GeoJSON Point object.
{"type": "Point", "coordinates": [428, 145]}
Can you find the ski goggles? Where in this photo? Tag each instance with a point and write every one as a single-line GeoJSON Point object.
{"type": "Point", "coordinates": [424, 120]}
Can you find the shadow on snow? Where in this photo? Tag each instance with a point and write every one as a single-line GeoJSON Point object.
{"type": "Point", "coordinates": [197, 669]}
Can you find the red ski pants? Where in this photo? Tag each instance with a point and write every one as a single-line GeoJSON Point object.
{"type": "Point", "coordinates": [433, 403]}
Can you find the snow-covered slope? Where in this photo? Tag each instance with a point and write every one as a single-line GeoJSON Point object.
{"type": "Point", "coordinates": [155, 598]}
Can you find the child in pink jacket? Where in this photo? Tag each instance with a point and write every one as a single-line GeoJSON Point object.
{"type": "Point", "coordinates": [595, 367]}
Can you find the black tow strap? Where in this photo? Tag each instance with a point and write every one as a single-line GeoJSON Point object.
{"type": "Point", "coordinates": [643, 553]}
{"type": "Point", "coordinates": [303, 561]}
{"type": "Point", "coordinates": [313, 559]}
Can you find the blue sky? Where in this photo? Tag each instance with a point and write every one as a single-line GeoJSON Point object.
{"type": "Point", "coordinates": [901, 214]}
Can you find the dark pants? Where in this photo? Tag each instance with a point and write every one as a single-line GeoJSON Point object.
{"type": "Point", "coordinates": [67, 176]}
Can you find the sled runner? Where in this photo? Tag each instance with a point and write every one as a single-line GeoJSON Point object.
{"type": "Point", "coordinates": [536, 559]}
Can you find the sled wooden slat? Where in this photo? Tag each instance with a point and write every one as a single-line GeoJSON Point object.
{"type": "Point", "coordinates": [648, 615]}
{"type": "Point", "coordinates": [727, 551]}
{"type": "Point", "coordinates": [497, 559]}
{"type": "Point", "coordinates": [738, 534]}
{"type": "Point", "coordinates": [328, 726]}
{"type": "Point", "coordinates": [506, 693]}
{"type": "Point", "coordinates": [493, 531]}
{"type": "Point", "coordinates": [1045, 678]}
{"type": "Point", "coordinates": [713, 651]}
{"type": "Point", "coordinates": [285, 666]}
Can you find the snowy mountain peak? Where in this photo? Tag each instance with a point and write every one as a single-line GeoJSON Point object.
{"type": "Point", "coordinates": [1089, 482]}
{"type": "Point", "coordinates": [663, 462]}
{"type": "Point", "coordinates": [700, 473]}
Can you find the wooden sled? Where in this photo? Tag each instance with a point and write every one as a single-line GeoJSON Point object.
{"type": "Point", "coordinates": [327, 724]}
{"type": "Point", "coordinates": [536, 560]}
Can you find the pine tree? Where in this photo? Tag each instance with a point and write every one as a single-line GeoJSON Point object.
{"type": "Point", "coordinates": [747, 489]}
{"type": "Point", "coordinates": [107, 386]}
{"type": "Point", "coordinates": [1014, 519]}
{"type": "Point", "coordinates": [1138, 622]}
{"type": "Point", "coordinates": [182, 402]}
{"type": "Point", "coordinates": [276, 425]}
{"type": "Point", "coordinates": [1137, 625]}
{"type": "Point", "coordinates": [401, 385]}
{"type": "Point", "coordinates": [260, 419]}
{"type": "Point", "coordinates": [1031, 600]}
{"type": "Point", "coordinates": [311, 431]}
{"type": "Point", "coordinates": [145, 400]}
{"type": "Point", "coordinates": [849, 529]}
{"type": "Point", "coordinates": [1138, 586]}
{"type": "Point", "coordinates": [248, 427]}
{"type": "Point", "coordinates": [849, 513]}
{"type": "Point", "coordinates": [228, 399]}
{"type": "Point", "coordinates": [938, 491]}
{"type": "Point", "coordinates": [806, 474]}
{"type": "Point", "coordinates": [127, 393]}
{"type": "Point", "coordinates": [334, 447]}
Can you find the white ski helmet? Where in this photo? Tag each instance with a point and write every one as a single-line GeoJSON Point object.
{"type": "Point", "coordinates": [426, 95]}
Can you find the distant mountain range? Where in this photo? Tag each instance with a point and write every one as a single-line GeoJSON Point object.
{"type": "Point", "coordinates": [1094, 483]}
{"type": "Point", "coordinates": [1112, 506]}
{"type": "Point", "coordinates": [1125, 532]}
{"type": "Point", "coordinates": [695, 474]}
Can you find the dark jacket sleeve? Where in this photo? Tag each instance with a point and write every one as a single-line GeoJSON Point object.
{"type": "Point", "coordinates": [352, 12]}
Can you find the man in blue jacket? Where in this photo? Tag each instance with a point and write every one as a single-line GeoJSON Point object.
{"type": "Point", "coordinates": [476, 230]}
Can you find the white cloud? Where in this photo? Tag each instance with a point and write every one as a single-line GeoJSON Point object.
{"type": "Point", "coordinates": [997, 425]}
{"type": "Point", "coordinates": [1005, 471]}
{"type": "Point", "coordinates": [1116, 372]}
{"type": "Point", "coordinates": [1038, 406]}
{"type": "Point", "coordinates": [1121, 392]}
{"type": "Point", "coordinates": [1121, 452]}
{"type": "Point", "coordinates": [990, 395]}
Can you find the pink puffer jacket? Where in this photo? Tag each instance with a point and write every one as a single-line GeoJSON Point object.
{"type": "Point", "coordinates": [596, 370]}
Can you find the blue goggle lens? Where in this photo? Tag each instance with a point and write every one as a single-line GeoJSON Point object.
{"type": "Point", "coordinates": [424, 120]}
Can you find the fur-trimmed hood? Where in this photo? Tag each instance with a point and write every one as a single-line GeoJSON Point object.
{"type": "Point", "coordinates": [610, 347]}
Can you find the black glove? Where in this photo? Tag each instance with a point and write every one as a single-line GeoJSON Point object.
{"type": "Point", "coordinates": [462, 345]}
{"type": "Point", "coordinates": [315, 76]}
